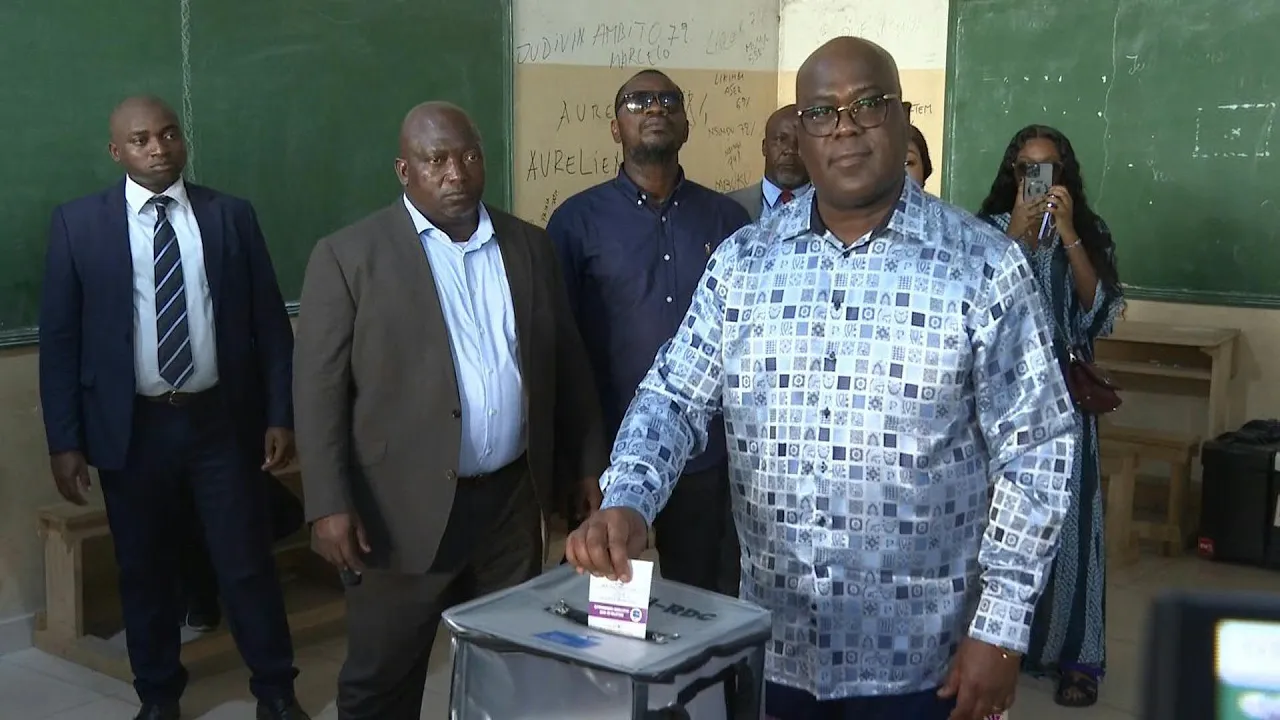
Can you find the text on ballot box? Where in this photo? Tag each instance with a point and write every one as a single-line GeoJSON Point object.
{"type": "Point", "coordinates": [531, 653]}
{"type": "Point", "coordinates": [621, 607]}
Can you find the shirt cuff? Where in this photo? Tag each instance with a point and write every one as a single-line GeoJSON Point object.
{"type": "Point", "coordinates": [1002, 621]}
{"type": "Point", "coordinates": [633, 495]}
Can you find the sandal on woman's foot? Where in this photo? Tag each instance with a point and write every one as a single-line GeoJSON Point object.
{"type": "Point", "coordinates": [1076, 689]}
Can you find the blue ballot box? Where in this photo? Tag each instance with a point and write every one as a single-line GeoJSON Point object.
{"type": "Point", "coordinates": [527, 654]}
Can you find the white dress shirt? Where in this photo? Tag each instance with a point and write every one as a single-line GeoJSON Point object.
{"type": "Point", "coordinates": [471, 281]}
{"type": "Point", "coordinates": [142, 224]}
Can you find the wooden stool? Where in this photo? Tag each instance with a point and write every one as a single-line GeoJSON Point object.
{"type": "Point", "coordinates": [82, 604]}
{"type": "Point", "coordinates": [1178, 451]}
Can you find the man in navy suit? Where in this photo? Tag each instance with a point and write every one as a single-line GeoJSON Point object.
{"type": "Point", "coordinates": [165, 360]}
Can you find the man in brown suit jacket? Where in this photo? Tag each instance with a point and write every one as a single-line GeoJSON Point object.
{"type": "Point", "coordinates": [439, 384]}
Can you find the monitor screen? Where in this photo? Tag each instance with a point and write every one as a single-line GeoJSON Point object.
{"type": "Point", "coordinates": [1247, 658]}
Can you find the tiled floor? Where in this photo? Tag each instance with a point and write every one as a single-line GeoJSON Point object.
{"type": "Point", "coordinates": [35, 686]}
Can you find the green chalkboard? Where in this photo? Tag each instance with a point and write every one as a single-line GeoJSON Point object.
{"type": "Point", "coordinates": [293, 104]}
{"type": "Point", "coordinates": [1170, 105]}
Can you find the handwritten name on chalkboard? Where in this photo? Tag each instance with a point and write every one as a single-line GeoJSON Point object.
{"type": "Point", "coordinates": [722, 118]}
{"type": "Point", "coordinates": [648, 43]}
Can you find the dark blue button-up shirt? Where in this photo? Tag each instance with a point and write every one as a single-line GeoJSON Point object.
{"type": "Point", "coordinates": [631, 269]}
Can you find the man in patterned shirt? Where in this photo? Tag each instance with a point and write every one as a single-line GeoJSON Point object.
{"type": "Point", "coordinates": [900, 435]}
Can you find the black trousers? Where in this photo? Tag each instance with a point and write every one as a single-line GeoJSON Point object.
{"type": "Point", "coordinates": [198, 581]}
{"type": "Point", "coordinates": [493, 541]}
{"type": "Point", "coordinates": [176, 450]}
{"type": "Point", "coordinates": [696, 539]}
{"type": "Point", "coordinates": [696, 536]}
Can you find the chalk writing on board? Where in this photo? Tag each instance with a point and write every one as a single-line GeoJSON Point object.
{"type": "Point", "coordinates": [580, 113]}
{"type": "Point", "coordinates": [548, 206]}
{"type": "Point", "coordinates": [753, 41]}
{"type": "Point", "coordinates": [634, 42]}
{"type": "Point", "coordinates": [631, 43]}
{"type": "Point", "coordinates": [188, 122]}
{"type": "Point", "coordinates": [548, 46]}
{"type": "Point", "coordinates": [1234, 130]}
{"type": "Point", "coordinates": [731, 182]}
{"type": "Point", "coordinates": [597, 113]}
{"type": "Point", "coordinates": [576, 161]}
{"type": "Point", "coordinates": [733, 155]}
{"type": "Point", "coordinates": [732, 130]}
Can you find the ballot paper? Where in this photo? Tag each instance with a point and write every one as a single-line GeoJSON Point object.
{"type": "Point", "coordinates": [618, 607]}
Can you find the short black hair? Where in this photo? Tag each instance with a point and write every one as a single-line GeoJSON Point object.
{"type": "Point", "coordinates": [916, 138]}
{"type": "Point", "coordinates": [617, 99]}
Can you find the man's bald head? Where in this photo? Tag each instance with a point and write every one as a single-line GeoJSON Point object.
{"type": "Point", "coordinates": [130, 107]}
{"type": "Point", "coordinates": [782, 164]}
{"type": "Point", "coordinates": [844, 51]}
{"type": "Point", "coordinates": [426, 118]}
{"type": "Point", "coordinates": [853, 137]}
{"type": "Point", "coordinates": [784, 113]}
{"type": "Point", "coordinates": [146, 140]}
{"type": "Point", "coordinates": [441, 166]}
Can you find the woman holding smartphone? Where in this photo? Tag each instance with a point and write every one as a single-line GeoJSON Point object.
{"type": "Point", "coordinates": [1073, 257]}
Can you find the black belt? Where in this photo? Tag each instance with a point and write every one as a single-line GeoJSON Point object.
{"type": "Point", "coordinates": [178, 399]}
{"type": "Point", "coordinates": [504, 471]}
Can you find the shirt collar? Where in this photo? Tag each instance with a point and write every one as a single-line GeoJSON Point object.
{"type": "Point", "coordinates": [628, 187]}
{"type": "Point", "coordinates": [137, 197]}
{"type": "Point", "coordinates": [773, 192]}
{"type": "Point", "coordinates": [483, 234]}
{"type": "Point", "coordinates": [800, 216]}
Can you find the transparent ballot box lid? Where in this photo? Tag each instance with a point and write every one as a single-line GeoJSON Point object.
{"type": "Point", "coordinates": [546, 616]}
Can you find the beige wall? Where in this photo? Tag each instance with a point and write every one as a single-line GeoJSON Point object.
{"type": "Point", "coordinates": [24, 485]}
{"type": "Point", "coordinates": [737, 63]}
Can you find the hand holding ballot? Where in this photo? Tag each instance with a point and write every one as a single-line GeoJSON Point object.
{"type": "Point", "coordinates": [606, 542]}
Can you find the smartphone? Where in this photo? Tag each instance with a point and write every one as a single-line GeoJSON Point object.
{"type": "Point", "coordinates": [1038, 180]}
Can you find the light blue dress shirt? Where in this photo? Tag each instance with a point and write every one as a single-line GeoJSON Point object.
{"type": "Point", "coordinates": [771, 194]}
{"type": "Point", "coordinates": [471, 280]}
{"type": "Point", "coordinates": [900, 439]}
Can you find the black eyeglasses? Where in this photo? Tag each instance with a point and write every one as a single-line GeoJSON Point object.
{"type": "Point", "coordinates": [641, 100]}
{"type": "Point", "coordinates": [867, 113]}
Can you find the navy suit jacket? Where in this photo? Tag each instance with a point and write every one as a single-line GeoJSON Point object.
{"type": "Point", "coordinates": [87, 376]}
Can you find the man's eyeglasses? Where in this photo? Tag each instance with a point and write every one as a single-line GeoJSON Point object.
{"type": "Point", "coordinates": [867, 113]}
{"type": "Point", "coordinates": [641, 100]}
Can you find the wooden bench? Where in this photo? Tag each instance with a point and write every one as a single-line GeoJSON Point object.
{"type": "Point", "coordinates": [82, 602]}
{"type": "Point", "coordinates": [1124, 450]}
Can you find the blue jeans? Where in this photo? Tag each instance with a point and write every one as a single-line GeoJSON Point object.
{"type": "Point", "coordinates": [784, 703]}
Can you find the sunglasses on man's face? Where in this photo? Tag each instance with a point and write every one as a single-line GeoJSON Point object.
{"type": "Point", "coordinates": [641, 101]}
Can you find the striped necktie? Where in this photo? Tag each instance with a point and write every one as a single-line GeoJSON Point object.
{"type": "Point", "coordinates": [173, 338]}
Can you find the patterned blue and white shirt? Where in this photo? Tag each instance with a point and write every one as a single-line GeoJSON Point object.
{"type": "Point", "coordinates": [900, 438]}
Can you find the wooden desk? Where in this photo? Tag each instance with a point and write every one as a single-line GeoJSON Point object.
{"type": "Point", "coordinates": [1177, 352]}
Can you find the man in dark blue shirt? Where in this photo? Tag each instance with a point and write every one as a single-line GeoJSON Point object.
{"type": "Point", "coordinates": [634, 249]}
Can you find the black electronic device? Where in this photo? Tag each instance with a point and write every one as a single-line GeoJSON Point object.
{"type": "Point", "coordinates": [1213, 656]}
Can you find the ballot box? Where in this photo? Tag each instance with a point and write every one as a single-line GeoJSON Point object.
{"type": "Point", "coordinates": [527, 654]}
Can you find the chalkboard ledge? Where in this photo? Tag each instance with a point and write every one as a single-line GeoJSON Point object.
{"type": "Point", "coordinates": [25, 337]}
{"type": "Point", "coordinates": [1203, 297]}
